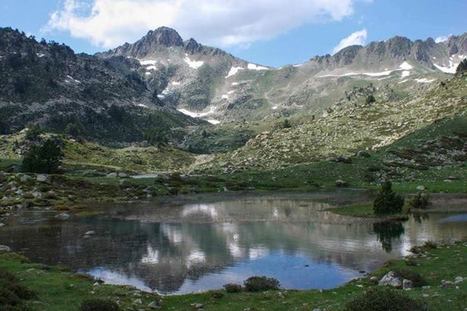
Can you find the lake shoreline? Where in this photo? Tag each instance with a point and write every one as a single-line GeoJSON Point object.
{"type": "Point", "coordinates": [70, 289]}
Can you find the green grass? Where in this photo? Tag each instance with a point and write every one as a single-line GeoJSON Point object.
{"type": "Point", "coordinates": [58, 289]}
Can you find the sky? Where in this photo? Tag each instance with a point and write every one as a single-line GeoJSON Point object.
{"type": "Point", "coordinates": [267, 32]}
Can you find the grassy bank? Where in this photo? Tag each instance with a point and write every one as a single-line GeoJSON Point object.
{"type": "Point", "coordinates": [57, 289]}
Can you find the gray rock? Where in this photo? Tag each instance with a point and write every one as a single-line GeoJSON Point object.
{"type": "Point", "coordinates": [154, 305]}
{"type": "Point", "coordinates": [112, 175]}
{"type": "Point", "coordinates": [42, 178]}
{"type": "Point", "coordinates": [123, 175]}
{"type": "Point", "coordinates": [197, 305]}
{"type": "Point", "coordinates": [63, 216]}
{"type": "Point", "coordinates": [390, 279]}
{"type": "Point", "coordinates": [37, 194]}
{"type": "Point", "coordinates": [4, 248]}
{"type": "Point", "coordinates": [447, 284]}
{"type": "Point", "coordinates": [406, 284]}
{"type": "Point", "coordinates": [458, 280]}
{"type": "Point", "coordinates": [421, 188]}
{"type": "Point", "coordinates": [341, 183]}
{"type": "Point", "coordinates": [25, 178]}
{"type": "Point", "coordinates": [2, 224]}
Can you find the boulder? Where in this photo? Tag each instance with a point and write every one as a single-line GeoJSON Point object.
{"type": "Point", "coordinates": [63, 216]}
{"type": "Point", "coordinates": [42, 178]}
{"type": "Point", "coordinates": [391, 279]}
{"type": "Point", "coordinates": [421, 188]}
{"type": "Point", "coordinates": [112, 175]}
{"type": "Point", "coordinates": [341, 183]}
{"type": "Point", "coordinates": [458, 280]}
{"type": "Point", "coordinates": [4, 248]}
{"type": "Point", "coordinates": [25, 178]}
{"type": "Point", "coordinates": [406, 284]}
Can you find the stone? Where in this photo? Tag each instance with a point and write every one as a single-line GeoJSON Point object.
{"type": "Point", "coordinates": [25, 178]}
{"type": "Point", "coordinates": [421, 188]}
{"type": "Point", "coordinates": [42, 178]}
{"type": "Point", "coordinates": [123, 175]}
{"type": "Point", "coordinates": [447, 284]}
{"type": "Point", "coordinates": [63, 216]}
{"type": "Point", "coordinates": [4, 248]}
{"type": "Point", "coordinates": [197, 305]}
{"type": "Point", "coordinates": [341, 183]}
{"type": "Point", "coordinates": [406, 284]}
{"type": "Point", "coordinates": [2, 224]}
{"type": "Point", "coordinates": [390, 279]}
{"type": "Point", "coordinates": [37, 194]}
{"type": "Point", "coordinates": [154, 305]}
{"type": "Point", "coordinates": [458, 280]}
{"type": "Point", "coordinates": [112, 175]}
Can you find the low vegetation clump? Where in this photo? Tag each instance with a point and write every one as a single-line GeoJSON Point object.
{"type": "Point", "coordinates": [99, 305]}
{"type": "Point", "coordinates": [12, 294]}
{"type": "Point", "coordinates": [261, 284]}
{"type": "Point", "coordinates": [420, 201]}
{"type": "Point", "coordinates": [233, 288]}
{"type": "Point", "coordinates": [45, 158]}
{"type": "Point", "coordinates": [415, 277]}
{"type": "Point", "coordinates": [387, 201]}
{"type": "Point", "coordinates": [384, 299]}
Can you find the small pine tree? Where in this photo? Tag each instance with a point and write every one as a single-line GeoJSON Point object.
{"type": "Point", "coordinates": [286, 124]}
{"type": "Point", "coordinates": [45, 159]}
{"type": "Point", "coordinates": [370, 99]}
{"type": "Point", "coordinates": [387, 201]}
{"type": "Point", "coordinates": [33, 133]}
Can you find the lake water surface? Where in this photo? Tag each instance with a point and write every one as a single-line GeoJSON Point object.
{"type": "Point", "coordinates": [202, 243]}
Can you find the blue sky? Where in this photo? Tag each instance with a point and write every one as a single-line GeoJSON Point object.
{"type": "Point", "coordinates": [273, 32]}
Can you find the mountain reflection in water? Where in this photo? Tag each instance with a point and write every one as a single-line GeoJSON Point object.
{"type": "Point", "coordinates": [182, 248]}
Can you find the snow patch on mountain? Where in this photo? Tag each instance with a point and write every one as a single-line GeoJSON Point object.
{"type": "Point", "coordinates": [454, 61]}
{"type": "Point", "coordinates": [193, 64]}
{"type": "Point", "coordinates": [233, 71]}
{"type": "Point", "coordinates": [425, 80]}
{"type": "Point", "coordinates": [405, 66]}
{"type": "Point", "coordinates": [256, 67]}
{"type": "Point", "coordinates": [405, 74]}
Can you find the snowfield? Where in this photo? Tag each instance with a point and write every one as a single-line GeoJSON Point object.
{"type": "Point", "coordinates": [233, 71]}
{"type": "Point", "coordinates": [193, 64]}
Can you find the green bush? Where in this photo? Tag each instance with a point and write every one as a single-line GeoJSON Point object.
{"type": "Point", "coordinates": [384, 299]}
{"type": "Point", "coordinates": [387, 201]}
{"type": "Point", "coordinates": [12, 293]}
{"type": "Point", "coordinates": [415, 277]}
{"type": "Point", "coordinates": [99, 305]}
{"type": "Point", "coordinates": [261, 283]}
{"type": "Point", "coordinates": [233, 288]}
{"type": "Point", "coordinates": [45, 158]}
{"type": "Point", "coordinates": [420, 201]}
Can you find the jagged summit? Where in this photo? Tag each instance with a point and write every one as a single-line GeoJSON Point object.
{"type": "Point", "coordinates": [164, 36]}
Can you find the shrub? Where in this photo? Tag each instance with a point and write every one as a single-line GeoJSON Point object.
{"type": "Point", "coordinates": [233, 288]}
{"type": "Point", "coordinates": [44, 159]}
{"type": "Point", "coordinates": [11, 293]}
{"type": "Point", "coordinates": [415, 277]}
{"type": "Point", "coordinates": [387, 201]}
{"type": "Point", "coordinates": [420, 201]}
{"type": "Point", "coordinates": [33, 133]}
{"type": "Point", "coordinates": [98, 305]}
{"type": "Point", "coordinates": [383, 299]}
{"type": "Point", "coordinates": [261, 283]}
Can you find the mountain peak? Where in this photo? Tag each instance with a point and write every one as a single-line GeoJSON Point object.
{"type": "Point", "coordinates": [165, 36]}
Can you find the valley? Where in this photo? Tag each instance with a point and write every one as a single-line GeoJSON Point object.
{"type": "Point", "coordinates": [180, 168]}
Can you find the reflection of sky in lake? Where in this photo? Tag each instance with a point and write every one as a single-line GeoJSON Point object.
{"type": "Point", "coordinates": [195, 247]}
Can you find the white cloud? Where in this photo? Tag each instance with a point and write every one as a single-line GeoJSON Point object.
{"type": "Point", "coordinates": [108, 23]}
{"type": "Point", "coordinates": [356, 38]}
{"type": "Point", "coordinates": [442, 38]}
